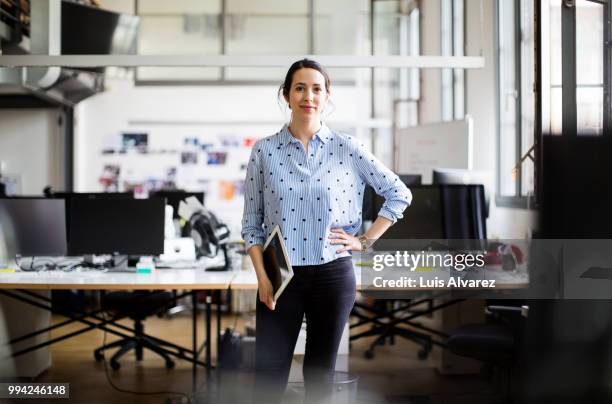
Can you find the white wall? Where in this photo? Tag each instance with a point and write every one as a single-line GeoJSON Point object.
{"type": "Point", "coordinates": [31, 145]}
{"type": "Point", "coordinates": [119, 6]}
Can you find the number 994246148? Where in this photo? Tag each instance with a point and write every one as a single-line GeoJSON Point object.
{"type": "Point", "coordinates": [34, 390]}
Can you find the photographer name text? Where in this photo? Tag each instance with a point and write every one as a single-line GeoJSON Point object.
{"type": "Point", "coordinates": [406, 282]}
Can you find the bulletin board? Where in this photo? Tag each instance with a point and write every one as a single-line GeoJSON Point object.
{"type": "Point", "coordinates": [421, 149]}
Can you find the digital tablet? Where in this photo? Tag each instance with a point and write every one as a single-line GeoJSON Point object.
{"type": "Point", "coordinates": [276, 262]}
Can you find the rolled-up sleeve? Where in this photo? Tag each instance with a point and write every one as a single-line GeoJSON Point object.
{"type": "Point", "coordinates": [384, 182]}
{"type": "Point", "coordinates": [253, 216]}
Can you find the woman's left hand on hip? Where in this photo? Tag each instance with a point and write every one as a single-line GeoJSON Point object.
{"type": "Point", "coordinates": [348, 242]}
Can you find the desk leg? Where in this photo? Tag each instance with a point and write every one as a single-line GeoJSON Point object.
{"type": "Point", "coordinates": [208, 331]}
{"type": "Point", "coordinates": [194, 347]}
{"type": "Point", "coordinates": [218, 327]}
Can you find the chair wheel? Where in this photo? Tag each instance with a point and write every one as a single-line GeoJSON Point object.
{"type": "Point", "coordinates": [98, 356]}
{"type": "Point", "coordinates": [115, 365]}
{"type": "Point", "coordinates": [369, 354]}
{"type": "Point", "coordinates": [169, 364]}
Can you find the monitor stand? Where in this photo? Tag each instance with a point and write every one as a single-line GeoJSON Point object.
{"type": "Point", "coordinates": [119, 263]}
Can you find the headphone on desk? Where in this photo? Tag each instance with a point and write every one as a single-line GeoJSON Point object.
{"type": "Point", "coordinates": [207, 232]}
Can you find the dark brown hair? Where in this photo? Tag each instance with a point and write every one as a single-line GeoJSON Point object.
{"type": "Point", "coordinates": [300, 64]}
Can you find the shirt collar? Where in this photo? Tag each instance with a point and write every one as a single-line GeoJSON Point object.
{"type": "Point", "coordinates": [324, 134]}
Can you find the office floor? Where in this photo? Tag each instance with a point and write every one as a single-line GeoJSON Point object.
{"type": "Point", "coordinates": [394, 376]}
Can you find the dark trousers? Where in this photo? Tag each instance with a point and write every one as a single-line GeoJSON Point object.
{"type": "Point", "coordinates": [325, 294]}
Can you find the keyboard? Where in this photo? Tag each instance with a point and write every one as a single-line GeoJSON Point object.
{"type": "Point", "coordinates": [179, 265]}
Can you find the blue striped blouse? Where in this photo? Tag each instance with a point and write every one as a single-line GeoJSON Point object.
{"type": "Point", "coordinates": [309, 192]}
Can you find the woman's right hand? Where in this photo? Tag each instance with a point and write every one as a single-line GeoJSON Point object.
{"type": "Point", "coordinates": [266, 293]}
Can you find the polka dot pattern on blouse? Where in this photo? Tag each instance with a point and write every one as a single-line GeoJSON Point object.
{"type": "Point", "coordinates": [308, 192]}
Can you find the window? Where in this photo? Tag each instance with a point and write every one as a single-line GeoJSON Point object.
{"type": "Point", "coordinates": [581, 51]}
{"type": "Point", "coordinates": [395, 92]}
{"type": "Point", "coordinates": [575, 57]}
{"type": "Point", "coordinates": [590, 67]}
{"type": "Point", "coordinates": [178, 28]}
{"type": "Point", "coordinates": [270, 27]}
{"type": "Point", "coordinates": [273, 27]}
{"type": "Point", "coordinates": [516, 100]}
{"type": "Point", "coordinates": [452, 23]}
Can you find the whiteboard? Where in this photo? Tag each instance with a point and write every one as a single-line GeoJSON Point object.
{"type": "Point", "coordinates": [421, 149]}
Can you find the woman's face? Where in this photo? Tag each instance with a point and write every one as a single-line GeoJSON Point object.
{"type": "Point", "coordinates": [307, 95]}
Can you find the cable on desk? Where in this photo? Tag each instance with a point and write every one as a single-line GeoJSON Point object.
{"type": "Point", "coordinates": [23, 268]}
{"type": "Point", "coordinates": [185, 398]}
{"type": "Point", "coordinates": [48, 264]}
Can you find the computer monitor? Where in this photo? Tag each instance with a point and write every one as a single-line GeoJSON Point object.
{"type": "Point", "coordinates": [441, 212]}
{"type": "Point", "coordinates": [461, 176]}
{"type": "Point", "coordinates": [369, 196]}
{"type": "Point", "coordinates": [37, 225]}
{"type": "Point", "coordinates": [116, 226]}
{"type": "Point", "coordinates": [90, 195]}
{"type": "Point", "coordinates": [423, 219]}
{"type": "Point", "coordinates": [174, 198]}
{"type": "Point", "coordinates": [69, 196]}
{"type": "Point", "coordinates": [411, 179]}
{"type": "Point", "coordinates": [464, 211]}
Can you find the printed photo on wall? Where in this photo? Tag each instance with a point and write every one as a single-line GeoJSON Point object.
{"type": "Point", "coordinates": [153, 184]}
{"type": "Point", "coordinates": [216, 158]}
{"type": "Point", "coordinates": [109, 179]}
{"type": "Point", "coordinates": [171, 173]}
{"type": "Point", "coordinates": [227, 190]}
{"type": "Point", "coordinates": [12, 183]}
{"type": "Point", "coordinates": [189, 158]}
{"type": "Point", "coordinates": [229, 140]}
{"type": "Point", "coordinates": [189, 142]}
{"type": "Point", "coordinates": [248, 141]}
{"type": "Point", "coordinates": [239, 187]}
{"type": "Point", "coordinates": [135, 141]}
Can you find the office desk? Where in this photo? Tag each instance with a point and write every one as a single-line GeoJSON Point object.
{"type": "Point", "coordinates": [161, 279]}
{"type": "Point", "coordinates": [17, 285]}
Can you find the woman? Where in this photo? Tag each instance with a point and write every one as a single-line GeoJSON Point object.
{"type": "Point", "coordinates": [309, 180]}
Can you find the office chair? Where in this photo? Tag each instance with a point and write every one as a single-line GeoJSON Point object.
{"type": "Point", "coordinates": [137, 305]}
{"type": "Point", "coordinates": [388, 319]}
{"type": "Point", "coordinates": [496, 342]}
{"type": "Point", "coordinates": [452, 213]}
